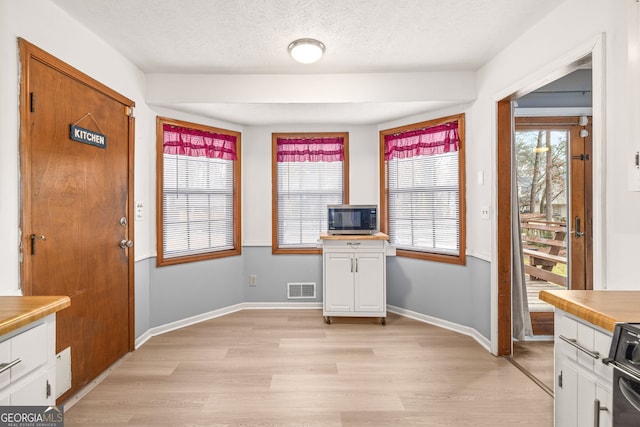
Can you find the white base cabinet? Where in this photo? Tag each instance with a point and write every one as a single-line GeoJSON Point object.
{"type": "Point", "coordinates": [28, 364]}
{"type": "Point", "coordinates": [354, 278]}
{"type": "Point", "coordinates": [582, 382]}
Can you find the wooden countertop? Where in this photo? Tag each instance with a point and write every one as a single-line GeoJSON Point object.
{"type": "Point", "coordinates": [17, 311]}
{"type": "Point", "coordinates": [602, 308]}
{"type": "Point", "coordinates": [375, 236]}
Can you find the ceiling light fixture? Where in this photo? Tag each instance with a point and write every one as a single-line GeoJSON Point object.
{"type": "Point", "coordinates": [306, 51]}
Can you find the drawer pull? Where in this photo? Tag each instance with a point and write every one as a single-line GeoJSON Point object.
{"type": "Point", "coordinates": [574, 343]}
{"type": "Point", "coordinates": [6, 366]}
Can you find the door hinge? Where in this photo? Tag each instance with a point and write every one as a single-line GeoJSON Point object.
{"type": "Point", "coordinates": [128, 111]}
{"type": "Point", "coordinates": [48, 389]}
{"type": "Point", "coordinates": [32, 102]}
{"type": "Point", "coordinates": [560, 380]}
{"type": "Point", "coordinates": [580, 157]}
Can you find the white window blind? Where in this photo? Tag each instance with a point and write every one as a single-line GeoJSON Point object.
{"type": "Point", "coordinates": [197, 205]}
{"type": "Point", "coordinates": [304, 191]}
{"type": "Point", "coordinates": [423, 203]}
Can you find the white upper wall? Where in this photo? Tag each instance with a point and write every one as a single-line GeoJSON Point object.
{"type": "Point", "coordinates": [571, 28]}
{"type": "Point", "coordinates": [256, 173]}
{"type": "Point", "coordinates": [570, 31]}
{"type": "Point", "coordinates": [305, 88]}
{"type": "Point", "coordinates": [45, 25]}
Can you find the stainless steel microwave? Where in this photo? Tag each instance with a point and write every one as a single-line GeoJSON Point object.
{"type": "Point", "coordinates": [352, 219]}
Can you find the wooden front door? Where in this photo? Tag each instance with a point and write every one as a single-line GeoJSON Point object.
{"type": "Point", "coordinates": [568, 176]}
{"type": "Point", "coordinates": [580, 222]}
{"type": "Point", "coordinates": [76, 209]}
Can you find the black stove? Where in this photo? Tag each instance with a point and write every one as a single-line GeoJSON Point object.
{"type": "Point", "coordinates": [624, 356]}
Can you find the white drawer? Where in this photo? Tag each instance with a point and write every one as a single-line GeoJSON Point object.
{"type": "Point", "coordinates": [30, 347]}
{"type": "Point", "coordinates": [353, 244]}
{"type": "Point", "coordinates": [589, 345]}
{"type": "Point", "coordinates": [602, 344]}
{"type": "Point", "coordinates": [567, 328]}
{"type": "Point", "coordinates": [585, 340]}
{"type": "Point", "coordinates": [5, 357]}
{"type": "Point", "coordinates": [30, 350]}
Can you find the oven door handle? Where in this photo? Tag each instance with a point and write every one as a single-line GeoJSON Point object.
{"type": "Point", "coordinates": [629, 393]}
{"type": "Point", "coordinates": [622, 369]}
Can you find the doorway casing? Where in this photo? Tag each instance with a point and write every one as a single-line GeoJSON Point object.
{"type": "Point", "coordinates": [501, 270]}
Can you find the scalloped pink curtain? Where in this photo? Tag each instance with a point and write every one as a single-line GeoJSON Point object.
{"type": "Point", "coordinates": [422, 142]}
{"type": "Point", "coordinates": [198, 143]}
{"type": "Point", "coordinates": [326, 149]}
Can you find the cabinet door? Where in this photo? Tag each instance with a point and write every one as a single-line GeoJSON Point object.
{"type": "Point", "coordinates": [604, 396]}
{"type": "Point", "coordinates": [369, 282]}
{"type": "Point", "coordinates": [5, 358]}
{"type": "Point", "coordinates": [586, 400]}
{"type": "Point", "coordinates": [575, 399]}
{"type": "Point", "coordinates": [566, 394]}
{"type": "Point", "coordinates": [33, 392]}
{"type": "Point", "coordinates": [338, 282]}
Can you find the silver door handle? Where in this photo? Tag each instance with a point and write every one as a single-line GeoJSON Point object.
{"type": "Point", "coordinates": [126, 244]}
{"type": "Point", "coordinates": [596, 412]}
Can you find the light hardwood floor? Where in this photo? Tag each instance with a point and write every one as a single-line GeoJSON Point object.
{"type": "Point", "coordinates": [536, 357]}
{"type": "Point", "coordinates": [288, 368]}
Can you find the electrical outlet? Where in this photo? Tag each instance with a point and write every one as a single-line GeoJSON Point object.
{"type": "Point", "coordinates": [252, 280]}
{"type": "Point", "coordinates": [139, 211]}
{"type": "Point", "coordinates": [484, 212]}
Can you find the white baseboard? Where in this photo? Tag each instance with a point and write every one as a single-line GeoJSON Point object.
{"type": "Point", "coordinates": [159, 330]}
{"type": "Point", "coordinates": [464, 330]}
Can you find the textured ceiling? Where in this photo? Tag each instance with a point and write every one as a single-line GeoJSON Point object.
{"type": "Point", "coordinates": [362, 36]}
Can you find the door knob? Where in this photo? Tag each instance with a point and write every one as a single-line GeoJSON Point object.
{"type": "Point", "coordinates": [126, 244]}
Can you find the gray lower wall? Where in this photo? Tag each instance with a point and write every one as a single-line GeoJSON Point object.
{"type": "Point", "coordinates": [273, 272]}
{"type": "Point", "coordinates": [142, 296]}
{"type": "Point", "coordinates": [181, 291]}
{"type": "Point", "coordinates": [457, 294]}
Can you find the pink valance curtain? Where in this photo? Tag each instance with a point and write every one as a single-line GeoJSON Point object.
{"type": "Point", "coordinates": [327, 149]}
{"type": "Point", "coordinates": [198, 143]}
{"type": "Point", "coordinates": [422, 142]}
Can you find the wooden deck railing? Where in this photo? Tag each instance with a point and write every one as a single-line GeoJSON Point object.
{"type": "Point", "coordinates": [544, 243]}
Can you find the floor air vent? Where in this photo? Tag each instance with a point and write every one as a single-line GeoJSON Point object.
{"type": "Point", "coordinates": [301, 290]}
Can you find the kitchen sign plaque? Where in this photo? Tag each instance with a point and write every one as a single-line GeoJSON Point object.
{"type": "Point", "coordinates": [87, 136]}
